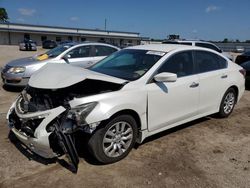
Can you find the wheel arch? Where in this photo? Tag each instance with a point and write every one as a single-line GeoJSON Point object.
{"type": "Point", "coordinates": [130, 112]}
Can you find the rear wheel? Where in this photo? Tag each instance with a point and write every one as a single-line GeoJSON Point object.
{"type": "Point", "coordinates": [114, 141]}
{"type": "Point", "coordinates": [227, 103]}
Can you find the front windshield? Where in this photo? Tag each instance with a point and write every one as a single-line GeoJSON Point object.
{"type": "Point", "coordinates": [128, 64]}
{"type": "Point", "coordinates": [57, 50]}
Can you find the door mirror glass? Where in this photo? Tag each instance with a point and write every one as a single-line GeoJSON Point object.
{"type": "Point", "coordinates": [165, 77]}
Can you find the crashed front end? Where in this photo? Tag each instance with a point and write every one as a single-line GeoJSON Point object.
{"type": "Point", "coordinates": [42, 117]}
{"type": "Point", "coordinates": [44, 121]}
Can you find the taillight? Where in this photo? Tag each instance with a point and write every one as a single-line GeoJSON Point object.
{"type": "Point", "coordinates": [243, 72]}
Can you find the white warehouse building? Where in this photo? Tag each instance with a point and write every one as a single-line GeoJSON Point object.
{"type": "Point", "coordinates": [13, 33]}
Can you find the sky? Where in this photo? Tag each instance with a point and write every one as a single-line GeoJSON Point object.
{"type": "Point", "coordinates": [191, 19]}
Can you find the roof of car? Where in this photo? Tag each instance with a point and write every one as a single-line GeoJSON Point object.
{"type": "Point", "coordinates": [162, 47]}
{"type": "Point", "coordinates": [86, 42]}
{"type": "Point", "coordinates": [185, 41]}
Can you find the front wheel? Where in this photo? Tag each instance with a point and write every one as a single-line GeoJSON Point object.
{"type": "Point", "coordinates": [228, 102]}
{"type": "Point", "coordinates": [114, 141]}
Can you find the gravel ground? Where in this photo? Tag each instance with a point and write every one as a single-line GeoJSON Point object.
{"type": "Point", "coordinates": [208, 152]}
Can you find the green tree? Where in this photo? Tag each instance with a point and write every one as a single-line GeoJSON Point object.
{"type": "Point", "coordinates": [3, 15]}
{"type": "Point", "coordinates": [225, 40]}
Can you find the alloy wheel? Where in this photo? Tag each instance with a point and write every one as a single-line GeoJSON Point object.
{"type": "Point", "coordinates": [117, 139]}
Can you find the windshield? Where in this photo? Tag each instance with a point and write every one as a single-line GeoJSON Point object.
{"type": "Point", "coordinates": [128, 64]}
{"type": "Point", "coordinates": [57, 50]}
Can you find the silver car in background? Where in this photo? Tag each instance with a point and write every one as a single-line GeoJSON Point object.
{"type": "Point", "coordinates": [27, 45]}
{"type": "Point", "coordinates": [18, 72]}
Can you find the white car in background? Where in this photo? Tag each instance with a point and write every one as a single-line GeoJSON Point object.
{"type": "Point", "coordinates": [18, 72]}
{"type": "Point", "coordinates": [125, 98]}
{"type": "Point", "coordinates": [199, 43]}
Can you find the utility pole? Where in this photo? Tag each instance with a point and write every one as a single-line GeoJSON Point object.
{"type": "Point", "coordinates": [9, 39]}
{"type": "Point", "coordinates": [105, 24]}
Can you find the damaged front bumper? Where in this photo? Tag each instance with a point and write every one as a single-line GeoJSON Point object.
{"type": "Point", "coordinates": [35, 136]}
{"type": "Point", "coordinates": [49, 131]}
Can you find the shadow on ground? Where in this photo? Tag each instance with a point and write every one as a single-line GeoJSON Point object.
{"type": "Point", "coordinates": [81, 143]}
{"type": "Point", "coordinates": [12, 88]}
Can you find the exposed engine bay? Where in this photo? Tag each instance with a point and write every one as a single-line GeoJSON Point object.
{"type": "Point", "coordinates": [45, 122]}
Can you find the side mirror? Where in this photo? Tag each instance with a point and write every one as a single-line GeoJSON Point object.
{"type": "Point", "coordinates": [66, 57]}
{"type": "Point", "coordinates": [165, 77]}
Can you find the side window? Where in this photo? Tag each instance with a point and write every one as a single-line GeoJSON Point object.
{"type": "Point", "coordinates": [207, 61]}
{"type": "Point", "coordinates": [209, 46]}
{"type": "Point", "coordinates": [180, 64]}
{"type": "Point", "coordinates": [222, 62]}
{"type": "Point", "coordinates": [104, 50]}
{"type": "Point", "coordinates": [79, 52]}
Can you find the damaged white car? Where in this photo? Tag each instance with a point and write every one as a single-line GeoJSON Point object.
{"type": "Point", "coordinates": [128, 96]}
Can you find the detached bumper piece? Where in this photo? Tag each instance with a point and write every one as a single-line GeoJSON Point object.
{"type": "Point", "coordinates": [67, 145]}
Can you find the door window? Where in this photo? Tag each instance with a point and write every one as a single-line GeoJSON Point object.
{"type": "Point", "coordinates": [207, 61]}
{"type": "Point", "coordinates": [180, 64]}
{"type": "Point", "coordinates": [104, 50]}
{"type": "Point", "coordinates": [80, 52]}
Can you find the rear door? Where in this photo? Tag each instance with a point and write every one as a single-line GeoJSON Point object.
{"type": "Point", "coordinates": [212, 72]}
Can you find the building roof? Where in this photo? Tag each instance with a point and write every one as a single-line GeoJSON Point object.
{"type": "Point", "coordinates": [15, 27]}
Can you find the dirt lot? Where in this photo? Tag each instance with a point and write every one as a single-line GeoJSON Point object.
{"type": "Point", "coordinates": [208, 152]}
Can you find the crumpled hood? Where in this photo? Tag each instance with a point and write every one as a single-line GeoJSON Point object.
{"type": "Point", "coordinates": [56, 76]}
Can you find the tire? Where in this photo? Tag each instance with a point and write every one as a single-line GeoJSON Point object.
{"type": "Point", "coordinates": [113, 141]}
{"type": "Point", "coordinates": [227, 103]}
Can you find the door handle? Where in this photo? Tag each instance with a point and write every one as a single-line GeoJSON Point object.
{"type": "Point", "coordinates": [224, 76]}
{"type": "Point", "coordinates": [194, 84]}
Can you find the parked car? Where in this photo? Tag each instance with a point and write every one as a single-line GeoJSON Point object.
{"type": "Point", "coordinates": [49, 44]}
{"type": "Point", "coordinates": [246, 66]}
{"type": "Point", "coordinates": [199, 43]}
{"type": "Point", "coordinates": [239, 49]}
{"type": "Point", "coordinates": [126, 97]}
{"type": "Point", "coordinates": [243, 58]}
{"type": "Point", "coordinates": [27, 45]}
{"type": "Point", "coordinates": [244, 61]}
{"type": "Point", "coordinates": [18, 72]}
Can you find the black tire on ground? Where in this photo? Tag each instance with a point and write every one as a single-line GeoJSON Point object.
{"type": "Point", "coordinates": [227, 103]}
{"type": "Point", "coordinates": [96, 144]}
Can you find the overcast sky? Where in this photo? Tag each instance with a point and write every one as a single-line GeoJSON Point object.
{"type": "Point", "coordinates": [200, 19]}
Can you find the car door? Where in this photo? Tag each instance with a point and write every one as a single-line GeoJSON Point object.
{"type": "Point", "coordinates": [173, 102]}
{"type": "Point", "coordinates": [213, 77]}
{"type": "Point", "coordinates": [81, 56]}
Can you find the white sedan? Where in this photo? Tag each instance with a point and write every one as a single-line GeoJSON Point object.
{"type": "Point", "coordinates": [121, 100]}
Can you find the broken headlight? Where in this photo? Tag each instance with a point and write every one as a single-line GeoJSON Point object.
{"type": "Point", "coordinates": [79, 113]}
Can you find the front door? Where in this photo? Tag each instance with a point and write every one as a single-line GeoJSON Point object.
{"type": "Point", "coordinates": [173, 102]}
